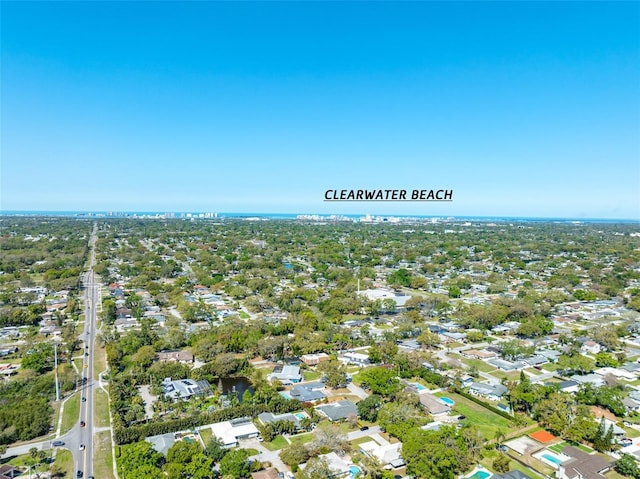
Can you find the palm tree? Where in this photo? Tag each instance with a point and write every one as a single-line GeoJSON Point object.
{"type": "Point", "coordinates": [499, 437]}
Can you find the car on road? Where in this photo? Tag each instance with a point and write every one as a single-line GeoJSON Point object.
{"type": "Point", "coordinates": [83, 424]}
{"type": "Point", "coordinates": [57, 443]}
{"type": "Point", "coordinates": [79, 474]}
{"type": "Point", "coordinates": [84, 399]}
{"type": "Point", "coordinates": [82, 447]}
{"type": "Point", "coordinates": [364, 428]}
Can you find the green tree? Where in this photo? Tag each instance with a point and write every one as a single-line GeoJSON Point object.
{"type": "Point", "coordinates": [627, 466]}
{"type": "Point", "coordinates": [236, 464]}
{"type": "Point", "coordinates": [380, 380]}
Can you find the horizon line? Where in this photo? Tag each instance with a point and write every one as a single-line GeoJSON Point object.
{"type": "Point", "coordinates": [253, 213]}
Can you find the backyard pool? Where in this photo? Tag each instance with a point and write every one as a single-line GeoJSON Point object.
{"type": "Point", "coordinates": [299, 415]}
{"type": "Point", "coordinates": [419, 386]}
{"type": "Point", "coordinates": [551, 458]}
{"type": "Point", "coordinates": [447, 401]}
{"type": "Point", "coordinates": [355, 471]}
{"type": "Point", "coordinates": [480, 475]}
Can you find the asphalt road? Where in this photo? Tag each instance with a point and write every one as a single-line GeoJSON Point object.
{"type": "Point", "coordinates": [79, 435]}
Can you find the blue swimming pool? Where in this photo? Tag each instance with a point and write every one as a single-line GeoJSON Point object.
{"type": "Point", "coordinates": [419, 386]}
{"type": "Point", "coordinates": [447, 401]}
{"type": "Point", "coordinates": [299, 415]}
{"type": "Point", "coordinates": [355, 471]}
{"type": "Point", "coordinates": [551, 458]}
{"type": "Point", "coordinates": [480, 475]}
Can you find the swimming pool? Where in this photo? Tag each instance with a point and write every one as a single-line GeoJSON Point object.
{"type": "Point", "coordinates": [447, 401]}
{"type": "Point", "coordinates": [355, 471]}
{"type": "Point", "coordinates": [480, 475]}
{"type": "Point", "coordinates": [419, 386]}
{"type": "Point", "coordinates": [299, 415]}
{"type": "Point", "coordinates": [551, 458]}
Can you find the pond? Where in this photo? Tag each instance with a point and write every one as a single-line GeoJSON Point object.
{"type": "Point", "coordinates": [234, 385]}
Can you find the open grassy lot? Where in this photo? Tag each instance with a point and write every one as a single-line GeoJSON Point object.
{"type": "Point", "coordinates": [64, 462]}
{"type": "Point", "coordinates": [101, 408]}
{"type": "Point", "coordinates": [486, 421]}
{"type": "Point", "coordinates": [103, 459]}
{"type": "Point", "coordinates": [479, 365]}
{"type": "Point", "coordinates": [550, 367]}
{"type": "Point", "coordinates": [301, 438]}
{"type": "Point", "coordinates": [278, 443]}
{"type": "Point", "coordinates": [71, 412]}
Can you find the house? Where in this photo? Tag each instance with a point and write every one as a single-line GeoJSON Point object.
{"type": "Point", "coordinates": [269, 418]}
{"type": "Point", "coordinates": [286, 374]}
{"type": "Point", "coordinates": [489, 391]}
{"type": "Point", "coordinates": [7, 471]}
{"type": "Point", "coordinates": [433, 405]}
{"type": "Point", "coordinates": [184, 388]}
{"type": "Point", "coordinates": [358, 359]}
{"type": "Point", "coordinates": [582, 465]}
{"type": "Point", "coordinates": [314, 359]}
{"type": "Point", "coordinates": [387, 454]}
{"type": "Point", "coordinates": [183, 357]}
{"type": "Point", "coordinates": [308, 392]}
{"type": "Point", "coordinates": [569, 386]}
{"type": "Point", "coordinates": [511, 475]}
{"type": "Point", "coordinates": [231, 432]}
{"type": "Point", "coordinates": [335, 463]}
{"type": "Point", "coordinates": [271, 473]}
{"type": "Point", "coordinates": [590, 347]}
{"type": "Point", "coordinates": [631, 405]}
{"type": "Point", "coordinates": [478, 354]}
{"type": "Point", "coordinates": [593, 379]}
{"type": "Point", "coordinates": [449, 337]}
{"type": "Point", "coordinates": [339, 410]}
{"type": "Point", "coordinates": [505, 365]}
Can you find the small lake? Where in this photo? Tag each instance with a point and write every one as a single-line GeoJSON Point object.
{"type": "Point", "coordinates": [238, 385]}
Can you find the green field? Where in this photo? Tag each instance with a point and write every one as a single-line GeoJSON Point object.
{"type": "Point", "coordinates": [479, 365]}
{"type": "Point", "coordinates": [71, 413]}
{"type": "Point", "coordinates": [206, 435]}
{"type": "Point", "coordinates": [103, 457]}
{"type": "Point", "coordinates": [278, 443]}
{"type": "Point", "coordinates": [301, 438]}
{"type": "Point", "coordinates": [486, 421]}
{"type": "Point", "coordinates": [101, 405]}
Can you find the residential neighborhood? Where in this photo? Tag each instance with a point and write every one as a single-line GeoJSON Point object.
{"type": "Point", "coordinates": [474, 355]}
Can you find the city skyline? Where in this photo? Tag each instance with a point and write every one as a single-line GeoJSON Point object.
{"type": "Point", "coordinates": [522, 109]}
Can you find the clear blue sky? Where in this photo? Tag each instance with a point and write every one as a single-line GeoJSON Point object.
{"type": "Point", "coordinates": [523, 109]}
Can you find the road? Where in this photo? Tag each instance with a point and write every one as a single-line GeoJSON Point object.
{"type": "Point", "coordinates": [82, 459]}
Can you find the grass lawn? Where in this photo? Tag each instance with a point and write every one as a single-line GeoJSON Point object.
{"type": "Point", "coordinates": [525, 470]}
{"type": "Point", "coordinates": [64, 460]}
{"type": "Point", "coordinates": [615, 475]}
{"type": "Point", "coordinates": [550, 367]}
{"type": "Point", "coordinates": [101, 408]}
{"type": "Point", "coordinates": [206, 435]}
{"type": "Point", "coordinates": [301, 438]}
{"type": "Point", "coordinates": [71, 413]}
{"type": "Point", "coordinates": [102, 459]}
{"type": "Point", "coordinates": [480, 365]}
{"type": "Point", "coordinates": [311, 375]}
{"type": "Point", "coordinates": [244, 315]}
{"type": "Point", "coordinates": [631, 432]}
{"type": "Point", "coordinates": [99, 362]}
{"type": "Point", "coordinates": [487, 422]}
{"type": "Point", "coordinates": [278, 443]}
{"type": "Point", "coordinates": [361, 440]}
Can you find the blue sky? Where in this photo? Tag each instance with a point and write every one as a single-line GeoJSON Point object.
{"type": "Point", "coordinates": [523, 109]}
